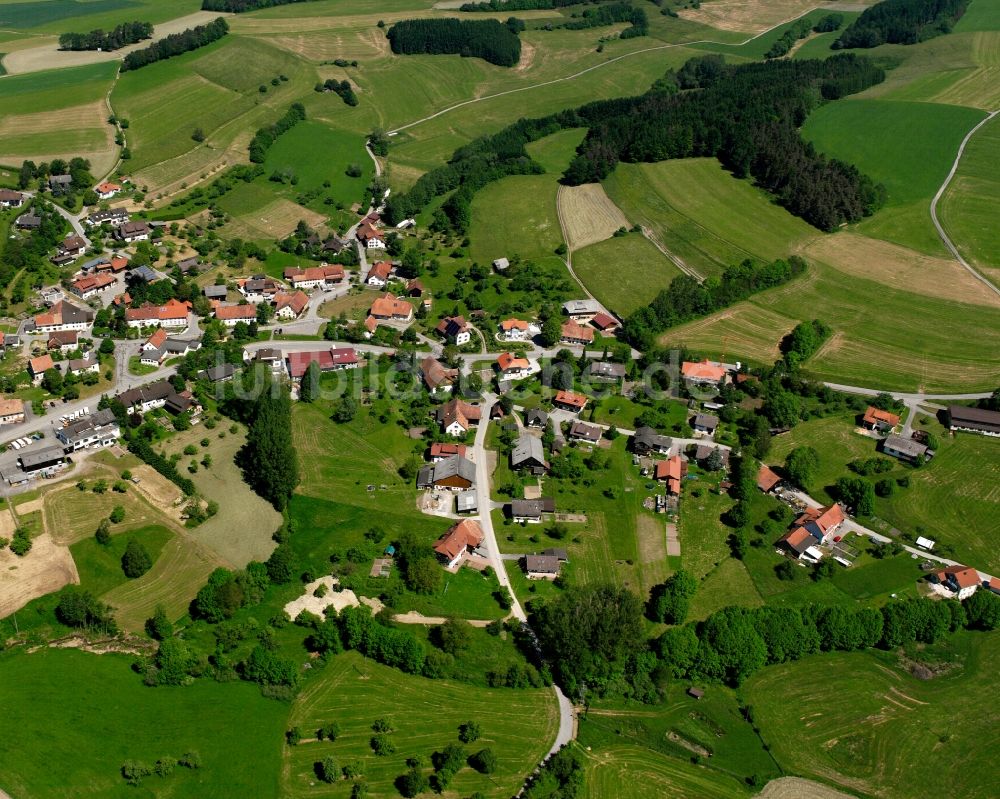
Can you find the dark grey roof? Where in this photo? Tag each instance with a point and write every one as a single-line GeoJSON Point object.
{"type": "Point", "coordinates": [72, 314]}
{"type": "Point", "coordinates": [177, 403]}
{"type": "Point", "coordinates": [60, 180]}
{"type": "Point", "coordinates": [536, 417]}
{"type": "Point", "coordinates": [43, 457]}
{"type": "Point", "coordinates": [647, 437]}
{"type": "Point", "coordinates": [111, 215]}
{"type": "Point", "coordinates": [524, 508]}
{"type": "Point", "coordinates": [142, 273]}
{"type": "Point", "coordinates": [452, 466]}
{"type": "Point", "coordinates": [159, 390]}
{"type": "Point", "coordinates": [585, 431]}
{"type": "Point", "coordinates": [181, 344]}
{"type": "Point", "coordinates": [706, 420]}
{"type": "Point", "coordinates": [30, 219]}
{"type": "Point", "coordinates": [215, 292]}
{"type": "Point", "coordinates": [607, 369]}
{"type": "Point", "coordinates": [467, 501]}
{"type": "Point", "coordinates": [557, 552]}
{"type": "Point", "coordinates": [541, 564]}
{"type": "Point", "coordinates": [528, 449]}
{"type": "Point", "coordinates": [82, 363]}
{"type": "Point", "coordinates": [217, 373]}
{"type": "Point", "coordinates": [904, 446]}
{"type": "Point", "coordinates": [87, 426]}
{"type": "Point", "coordinates": [976, 418]}
{"type": "Point", "coordinates": [189, 263]}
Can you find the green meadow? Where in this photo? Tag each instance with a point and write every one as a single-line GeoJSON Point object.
{"type": "Point", "coordinates": [55, 89]}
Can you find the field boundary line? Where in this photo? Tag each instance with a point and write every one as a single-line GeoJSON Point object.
{"type": "Point", "coordinates": [675, 259]}
{"type": "Point", "coordinates": [593, 67]}
{"type": "Point", "coordinates": [940, 193]}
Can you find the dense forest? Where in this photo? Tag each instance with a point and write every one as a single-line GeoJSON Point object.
{"type": "Point", "coordinates": [126, 33]}
{"type": "Point", "coordinates": [239, 6]}
{"type": "Point", "coordinates": [747, 116]}
{"type": "Point", "coordinates": [265, 137]}
{"type": "Point", "coordinates": [517, 5]}
{"type": "Point", "coordinates": [488, 39]}
{"type": "Point", "coordinates": [901, 22]}
{"type": "Point", "coordinates": [175, 44]}
{"type": "Point", "coordinates": [686, 299]}
{"type": "Point", "coordinates": [609, 14]}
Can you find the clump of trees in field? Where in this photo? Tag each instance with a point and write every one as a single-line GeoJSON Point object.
{"type": "Point", "coordinates": [798, 30]}
{"type": "Point", "coordinates": [265, 137]}
{"type": "Point", "coordinates": [342, 88]}
{"type": "Point", "coordinates": [241, 6]}
{"type": "Point", "coordinates": [901, 22]}
{"type": "Point", "coordinates": [804, 340]}
{"type": "Point", "coordinates": [121, 35]}
{"type": "Point", "coordinates": [748, 116]}
{"type": "Point", "coordinates": [608, 14]}
{"type": "Point", "coordinates": [488, 39]}
{"type": "Point", "coordinates": [175, 44]}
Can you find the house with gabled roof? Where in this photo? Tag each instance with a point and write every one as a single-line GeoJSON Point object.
{"type": "Point", "coordinates": [671, 471]}
{"type": "Point", "coordinates": [647, 440]}
{"type": "Point", "coordinates": [456, 473]}
{"type": "Point", "coordinates": [322, 276]}
{"type": "Point", "coordinates": [512, 367]}
{"type": "Point", "coordinates": [440, 450]}
{"type": "Point", "coordinates": [232, 315]}
{"type": "Point", "coordinates": [389, 308]}
{"type": "Point", "coordinates": [572, 332]}
{"type": "Point", "coordinates": [570, 401]}
{"type": "Point", "coordinates": [173, 313]}
{"type": "Point", "coordinates": [878, 420]}
{"type": "Point", "coordinates": [460, 540]}
{"type": "Point", "coordinates": [63, 316]}
{"type": "Point", "coordinates": [587, 433]}
{"type": "Point", "coordinates": [813, 527]}
{"type": "Point", "coordinates": [514, 330]}
{"type": "Point", "coordinates": [703, 372]}
{"type": "Point", "coordinates": [767, 479]}
{"type": "Point", "coordinates": [457, 417]}
{"type": "Point", "coordinates": [529, 454]}
{"type": "Point", "coordinates": [437, 377]}
{"type": "Point", "coordinates": [131, 232]}
{"type": "Point", "coordinates": [958, 582]}
{"type": "Point", "coordinates": [290, 305]}
{"type": "Point", "coordinates": [379, 274]}
{"type": "Point", "coordinates": [455, 329]}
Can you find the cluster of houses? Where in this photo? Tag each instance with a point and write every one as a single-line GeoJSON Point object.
{"type": "Point", "coordinates": [369, 232]}
{"type": "Point", "coordinates": [158, 347]}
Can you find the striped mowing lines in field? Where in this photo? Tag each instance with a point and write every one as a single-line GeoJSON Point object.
{"type": "Point", "coordinates": [587, 214]}
{"type": "Point", "coordinates": [519, 725]}
{"type": "Point", "coordinates": [980, 87]}
{"type": "Point", "coordinates": [632, 772]}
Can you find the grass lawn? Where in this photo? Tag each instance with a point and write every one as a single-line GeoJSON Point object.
{"type": "Point", "coordinates": [867, 134]}
{"type": "Point", "coordinates": [56, 89]}
{"type": "Point", "coordinates": [968, 208]}
{"type": "Point", "coordinates": [100, 567]}
{"type": "Point", "coordinates": [703, 215]}
{"type": "Point", "coordinates": [108, 716]}
{"type": "Point", "coordinates": [515, 215]}
{"type": "Point", "coordinates": [624, 272]}
{"type": "Point", "coordinates": [702, 534]}
{"type": "Point", "coordinates": [874, 729]}
{"type": "Point", "coordinates": [136, 367]}
{"type": "Point", "coordinates": [518, 725]}
{"type": "Point", "coordinates": [556, 151]}
{"type": "Point", "coordinates": [727, 584]}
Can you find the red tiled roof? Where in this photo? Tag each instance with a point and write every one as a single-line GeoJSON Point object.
{"type": "Point", "coordinates": [570, 398]}
{"type": "Point", "coordinates": [603, 321]}
{"type": "Point", "coordinates": [824, 518]}
{"type": "Point", "coordinates": [40, 364]}
{"type": "Point", "coordinates": [296, 274]}
{"type": "Point", "coordinates": [382, 270]}
{"type": "Point", "coordinates": [963, 576]}
{"type": "Point", "coordinates": [298, 362]}
{"type": "Point", "coordinates": [873, 415]}
{"type": "Point", "coordinates": [388, 307]}
{"type": "Point", "coordinates": [235, 312]}
{"type": "Point", "coordinates": [104, 188]}
{"type": "Point", "coordinates": [467, 534]}
{"type": "Point", "coordinates": [767, 478]}
{"type": "Point", "coordinates": [576, 332]}
{"type": "Point", "coordinates": [703, 370]}
{"type": "Point", "coordinates": [513, 324]}
{"type": "Point", "coordinates": [91, 282]}
{"type": "Point", "coordinates": [156, 340]}
{"type": "Point", "coordinates": [444, 450]}
{"type": "Point", "coordinates": [507, 361]}
{"type": "Point", "coordinates": [174, 309]}
{"type": "Point", "coordinates": [297, 301]}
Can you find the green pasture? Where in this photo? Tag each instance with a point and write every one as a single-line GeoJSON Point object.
{"type": "Point", "coordinates": [106, 716]}
{"type": "Point", "coordinates": [58, 16]}
{"type": "Point", "coordinates": [871, 727]}
{"type": "Point", "coordinates": [515, 215]}
{"type": "Point", "coordinates": [624, 273]}
{"type": "Point", "coordinates": [52, 90]}
{"type": "Point", "coordinates": [870, 134]}
{"type": "Point", "coordinates": [518, 725]}
{"type": "Point", "coordinates": [100, 567]}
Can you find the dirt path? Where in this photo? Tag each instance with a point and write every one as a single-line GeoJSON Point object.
{"type": "Point", "coordinates": [676, 260]}
{"type": "Point", "coordinates": [940, 193]}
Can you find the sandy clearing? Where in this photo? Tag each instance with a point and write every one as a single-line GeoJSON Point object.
{"type": "Point", "coordinates": [900, 268]}
{"type": "Point", "coordinates": [333, 598]}
{"type": "Point", "coordinates": [746, 16]}
{"type": "Point", "coordinates": [46, 568]}
{"type": "Point", "coordinates": [799, 788]}
{"type": "Point", "coordinates": [587, 214]}
{"type": "Point", "coordinates": [7, 525]}
{"type": "Point", "coordinates": [49, 56]}
{"type": "Point", "coordinates": [160, 492]}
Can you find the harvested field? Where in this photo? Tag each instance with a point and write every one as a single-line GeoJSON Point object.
{"type": "Point", "coordinates": [752, 332]}
{"type": "Point", "coordinates": [7, 525]}
{"type": "Point", "coordinates": [900, 268]}
{"type": "Point", "coordinates": [980, 87]}
{"type": "Point", "coordinates": [276, 220]}
{"type": "Point", "coordinates": [587, 215]}
{"type": "Point", "coordinates": [324, 45]}
{"type": "Point", "coordinates": [158, 490]}
{"type": "Point", "coordinates": [799, 788]}
{"type": "Point", "coordinates": [46, 568]}
{"type": "Point", "coordinates": [750, 16]}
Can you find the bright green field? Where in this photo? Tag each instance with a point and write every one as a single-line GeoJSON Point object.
{"type": "Point", "coordinates": [982, 15]}
{"type": "Point", "coordinates": [518, 725]}
{"type": "Point", "coordinates": [871, 134]}
{"type": "Point", "coordinates": [71, 719]}
{"type": "Point", "coordinates": [968, 209]}
{"type": "Point", "coordinates": [515, 216]}
{"type": "Point", "coordinates": [704, 215]}
{"type": "Point", "coordinates": [100, 567]}
{"type": "Point", "coordinates": [57, 16]}
{"type": "Point", "coordinates": [876, 730]}
{"type": "Point", "coordinates": [624, 273]}
{"type": "Point", "coordinates": [55, 89]}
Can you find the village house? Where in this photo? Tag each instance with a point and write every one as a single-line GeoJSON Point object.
{"type": "Point", "coordinates": [878, 420]}
{"type": "Point", "coordinates": [11, 199]}
{"type": "Point", "coordinates": [455, 473]}
{"type": "Point", "coordinates": [671, 471]}
{"type": "Point", "coordinates": [63, 316]}
{"type": "Point", "coordinates": [113, 216]}
{"type": "Point", "coordinates": [536, 418]}
{"type": "Point", "coordinates": [232, 315]}
{"type": "Point", "coordinates": [172, 314]}
{"type": "Point", "coordinates": [88, 364]}
{"type": "Point", "coordinates": [91, 285]}
{"type": "Point", "coordinates": [11, 411]}
{"type": "Point", "coordinates": [437, 377]}
{"type": "Point", "coordinates": [146, 398]}
{"type": "Point", "coordinates": [288, 305]}
{"type": "Point", "coordinates": [73, 246]}
{"type": "Point", "coordinates": [379, 274]}
{"type": "Point", "coordinates": [511, 367]}
{"type": "Point", "coordinates": [388, 308]}
{"type": "Point", "coordinates": [220, 373]}
{"type": "Point", "coordinates": [370, 237]}
{"type": "Point", "coordinates": [63, 340]}
{"type": "Point", "coordinates": [705, 373]}
{"type": "Point", "coordinates": [334, 359]}
{"type": "Point", "coordinates": [768, 479]}
{"type": "Point", "coordinates": [190, 265]}
{"type": "Point", "coordinates": [974, 420]}
{"type": "Point", "coordinates": [705, 423]}
{"type": "Point", "coordinates": [541, 567]}
{"type": "Point", "coordinates": [704, 452]}
{"type": "Point", "coordinates": [440, 450]}
{"type": "Point", "coordinates": [100, 429]}
{"type": "Point", "coordinates": [582, 310]}
{"type": "Point", "coordinates": [270, 357]}
{"type": "Point", "coordinates": [334, 245]}
{"type": "Point", "coordinates": [107, 190]}
{"type": "Point", "coordinates": [605, 323]}
{"type": "Point", "coordinates": [60, 183]}
{"type": "Point", "coordinates": [37, 367]}
{"type": "Point", "coordinates": [454, 329]}
{"type": "Point", "coordinates": [131, 232]}
{"type": "Point", "coordinates": [324, 276]}
{"type": "Point", "coordinates": [415, 288]}
{"type": "Point", "coordinates": [586, 433]}
{"type": "Point", "coordinates": [646, 440]}
{"type": "Point", "coordinates": [955, 582]}
{"type": "Point", "coordinates": [605, 371]}
{"type": "Point", "coordinates": [460, 540]}
{"type": "Point", "coordinates": [906, 449]}
{"type": "Point", "coordinates": [813, 527]}
{"type": "Point", "coordinates": [514, 330]}
{"type": "Point", "coordinates": [570, 401]}
{"type": "Point", "coordinates": [530, 511]}
{"type": "Point", "coordinates": [215, 292]}
{"type": "Point", "coordinates": [501, 264]}
{"type": "Point", "coordinates": [576, 334]}
{"type": "Point", "coordinates": [258, 288]}
{"type": "Point", "coordinates": [45, 461]}
{"type": "Point", "coordinates": [28, 221]}
{"type": "Point", "coordinates": [115, 264]}
{"type": "Point", "coordinates": [457, 417]}
{"type": "Point", "coordinates": [529, 454]}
